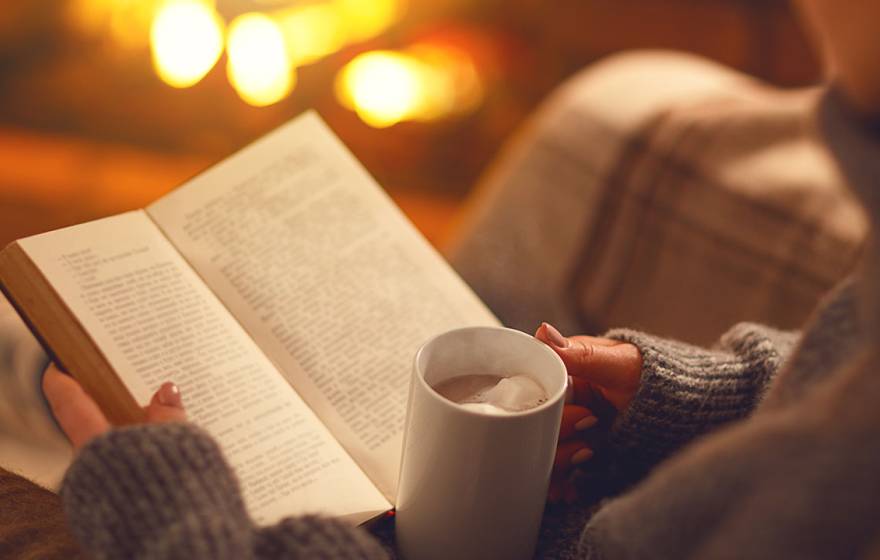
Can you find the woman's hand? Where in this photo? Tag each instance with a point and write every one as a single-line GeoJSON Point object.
{"type": "Point", "coordinates": [605, 375]}
{"type": "Point", "coordinates": [81, 419]}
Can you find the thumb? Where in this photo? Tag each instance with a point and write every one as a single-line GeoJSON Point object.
{"type": "Point", "coordinates": [77, 414]}
{"type": "Point", "coordinates": [608, 363]}
{"type": "Point", "coordinates": [166, 405]}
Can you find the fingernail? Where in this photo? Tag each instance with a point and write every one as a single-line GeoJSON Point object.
{"type": "Point", "coordinates": [169, 395]}
{"type": "Point", "coordinates": [556, 338]}
{"type": "Point", "coordinates": [581, 456]}
{"type": "Point", "coordinates": [585, 423]}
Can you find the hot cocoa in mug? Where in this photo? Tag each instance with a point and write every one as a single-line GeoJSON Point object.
{"type": "Point", "coordinates": [493, 394]}
{"type": "Point", "coordinates": [481, 431]}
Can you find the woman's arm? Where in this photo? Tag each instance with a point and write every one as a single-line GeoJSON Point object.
{"type": "Point", "coordinates": [657, 394]}
{"type": "Point", "coordinates": [687, 391]}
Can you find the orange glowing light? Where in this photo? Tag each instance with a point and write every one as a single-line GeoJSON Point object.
{"type": "Point", "coordinates": [421, 83]}
{"type": "Point", "coordinates": [90, 16]}
{"type": "Point", "coordinates": [367, 18]}
{"type": "Point", "coordinates": [383, 87]}
{"type": "Point", "coordinates": [127, 22]}
{"type": "Point", "coordinates": [311, 32]}
{"type": "Point", "coordinates": [130, 23]}
{"type": "Point", "coordinates": [259, 68]}
{"type": "Point", "coordinates": [186, 40]}
{"type": "Point", "coordinates": [187, 37]}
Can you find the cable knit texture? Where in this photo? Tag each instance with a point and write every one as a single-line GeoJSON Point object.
{"type": "Point", "coordinates": [165, 491]}
{"type": "Point", "coordinates": [687, 391]}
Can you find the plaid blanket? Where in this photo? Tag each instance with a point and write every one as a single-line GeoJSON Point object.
{"type": "Point", "coordinates": [664, 193]}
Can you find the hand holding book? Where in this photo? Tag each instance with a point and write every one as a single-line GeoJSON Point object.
{"type": "Point", "coordinates": [81, 419]}
{"type": "Point", "coordinates": [237, 286]}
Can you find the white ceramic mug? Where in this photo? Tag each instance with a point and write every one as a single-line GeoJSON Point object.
{"type": "Point", "coordinates": [473, 485]}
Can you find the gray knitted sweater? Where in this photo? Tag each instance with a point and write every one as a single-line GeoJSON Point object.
{"type": "Point", "coordinates": [770, 443]}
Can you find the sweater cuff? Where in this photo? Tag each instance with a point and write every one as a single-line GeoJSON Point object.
{"type": "Point", "coordinates": [686, 391]}
{"type": "Point", "coordinates": [161, 490]}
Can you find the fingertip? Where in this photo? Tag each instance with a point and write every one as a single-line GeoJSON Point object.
{"type": "Point", "coordinates": [570, 453]}
{"type": "Point", "coordinates": [168, 394]}
{"type": "Point", "coordinates": [166, 405]}
{"type": "Point", "coordinates": [581, 456]}
{"type": "Point", "coordinates": [554, 338]}
{"type": "Point", "coordinates": [585, 423]}
{"type": "Point", "coordinates": [573, 416]}
{"type": "Point", "coordinates": [539, 332]}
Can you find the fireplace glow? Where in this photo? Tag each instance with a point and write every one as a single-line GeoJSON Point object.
{"type": "Point", "coordinates": [258, 68]}
{"type": "Point", "coordinates": [383, 87]}
{"type": "Point", "coordinates": [125, 22]}
{"type": "Point", "coordinates": [422, 83]}
{"type": "Point", "coordinates": [265, 47]}
{"type": "Point", "coordinates": [364, 19]}
{"type": "Point", "coordinates": [186, 39]}
{"type": "Point", "coordinates": [311, 32]}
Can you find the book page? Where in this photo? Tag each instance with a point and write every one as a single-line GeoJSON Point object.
{"type": "Point", "coordinates": [327, 276]}
{"type": "Point", "coordinates": [155, 321]}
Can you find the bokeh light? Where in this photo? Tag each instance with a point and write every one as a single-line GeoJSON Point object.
{"type": "Point", "coordinates": [186, 39]}
{"type": "Point", "coordinates": [131, 21]}
{"type": "Point", "coordinates": [383, 87]}
{"type": "Point", "coordinates": [421, 83]}
{"type": "Point", "coordinates": [364, 19]}
{"type": "Point", "coordinates": [265, 48]}
{"type": "Point", "coordinates": [258, 65]}
{"type": "Point", "coordinates": [311, 32]}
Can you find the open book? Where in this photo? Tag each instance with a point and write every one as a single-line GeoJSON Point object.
{"type": "Point", "coordinates": [285, 294]}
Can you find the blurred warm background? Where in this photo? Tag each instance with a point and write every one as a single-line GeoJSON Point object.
{"type": "Point", "coordinates": [107, 104]}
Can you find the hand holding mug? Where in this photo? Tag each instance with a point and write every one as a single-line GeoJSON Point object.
{"type": "Point", "coordinates": [605, 374]}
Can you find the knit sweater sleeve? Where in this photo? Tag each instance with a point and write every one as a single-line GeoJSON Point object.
{"type": "Point", "coordinates": [165, 491]}
{"type": "Point", "coordinates": [687, 391]}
